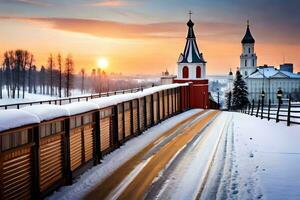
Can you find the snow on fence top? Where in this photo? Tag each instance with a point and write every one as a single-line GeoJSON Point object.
{"type": "Point", "coordinates": [47, 112]}
{"type": "Point", "coordinates": [80, 107]}
{"type": "Point", "coordinates": [15, 118]}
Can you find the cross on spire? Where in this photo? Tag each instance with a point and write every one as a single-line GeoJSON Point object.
{"type": "Point", "coordinates": [190, 14]}
{"type": "Point", "coordinates": [248, 22]}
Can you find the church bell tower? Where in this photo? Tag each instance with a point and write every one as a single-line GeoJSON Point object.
{"type": "Point", "coordinates": [191, 64]}
{"type": "Point", "coordinates": [248, 58]}
{"type": "Point", "coordinates": [191, 69]}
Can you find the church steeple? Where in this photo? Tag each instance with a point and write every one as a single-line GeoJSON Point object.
{"type": "Point", "coordinates": [191, 52]}
{"type": "Point", "coordinates": [248, 57]}
{"type": "Point", "coordinates": [248, 38]}
{"type": "Point", "coordinates": [191, 64]}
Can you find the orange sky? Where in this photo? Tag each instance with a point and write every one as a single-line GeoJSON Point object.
{"type": "Point", "coordinates": [136, 48]}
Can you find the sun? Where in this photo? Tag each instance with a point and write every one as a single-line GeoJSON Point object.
{"type": "Point", "coordinates": [102, 63]}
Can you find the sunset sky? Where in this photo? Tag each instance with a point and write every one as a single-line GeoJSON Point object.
{"type": "Point", "coordinates": [146, 36]}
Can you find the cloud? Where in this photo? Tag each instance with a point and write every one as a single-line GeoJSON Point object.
{"type": "Point", "coordinates": [112, 29]}
{"type": "Point", "coordinates": [109, 3]}
{"type": "Point", "coordinates": [38, 3]}
{"type": "Point", "coordinates": [206, 31]}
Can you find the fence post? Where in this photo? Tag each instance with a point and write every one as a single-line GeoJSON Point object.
{"type": "Point", "coordinates": [138, 116]}
{"type": "Point", "coordinates": [123, 122]}
{"type": "Point", "coordinates": [67, 163]}
{"type": "Point", "coordinates": [97, 143]}
{"type": "Point", "coordinates": [289, 112]}
{"type": "Point", "coordinates": [252, 107]}
{"type": "Point", "coordinates": [158, 107]}
{"type": "Point", "coordinates": [269, 107]}
{"type": "Point", "coordinates": [168, 103]}
{"type": "Point", "coordinates": [262, 108]}
{"type": "Point", "coordinates": [131, 117]}
{"type": "Point", "coordinates": [152, 110]}
{"type": "Point", "coordinates": [163, 103]}
{"type": "Point", "coordinates": [277, 116]}
{"type": "Point", "coordinates": [36, 163]}
{"type": "Point", "coordinates": [145, 113]}
{"type": "Point", "coordinates": [258, 108]}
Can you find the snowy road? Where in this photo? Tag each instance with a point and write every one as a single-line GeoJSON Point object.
{"type": "Point", "coordinates": [152, 162]}
{"type": "Point", "coordinates": [199, 155]}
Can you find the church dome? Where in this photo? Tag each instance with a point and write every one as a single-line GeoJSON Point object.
{"type": "Point", "coordinates": [248, 38]}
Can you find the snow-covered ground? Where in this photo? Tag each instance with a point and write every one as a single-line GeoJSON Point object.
{"type": "Point", "coordinates": [28, 98]}
{"type": "Point", "coordinates": [256, 159]}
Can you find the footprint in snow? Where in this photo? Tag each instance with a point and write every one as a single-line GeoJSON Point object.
{"type": "Point", "coordinates": [251, 155]}
{"type": "Point", "coordinates": [235, 192]}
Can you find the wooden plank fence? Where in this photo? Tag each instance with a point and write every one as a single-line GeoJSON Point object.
{"type": "Point", "coordinates": [37, 159]}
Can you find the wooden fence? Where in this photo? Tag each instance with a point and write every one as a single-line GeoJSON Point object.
{"type": "Point", "coordinates": [37, 159]}
{"type": "Point", "coordinates": [285, 110]}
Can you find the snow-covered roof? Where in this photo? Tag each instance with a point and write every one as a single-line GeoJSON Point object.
{"type": "Point", "coordinates": [270, 72]}
{"type": "Point", "coordinates": [47, 112]}
{"type": "Point", "coordinates": [80, 107]}
{"type": "Point", "coordinates": [14, 118]}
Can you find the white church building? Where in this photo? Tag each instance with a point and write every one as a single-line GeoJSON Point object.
{"type": "Point", "coordinates": [267, 79]}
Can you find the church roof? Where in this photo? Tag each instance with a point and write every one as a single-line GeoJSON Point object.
{"type": "Point", "coordinates": [270, 72]}
{"type": "Point", "coordinates": [248, 38]}
{"type": "Point", "coordinates": [191, 52]}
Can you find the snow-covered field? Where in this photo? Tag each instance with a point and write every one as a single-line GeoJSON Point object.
{"type": "Point", "coordinates": [28, 98]}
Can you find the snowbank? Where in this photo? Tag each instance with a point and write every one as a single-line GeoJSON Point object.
{"type": "Point", "coordinates": [15, 118]}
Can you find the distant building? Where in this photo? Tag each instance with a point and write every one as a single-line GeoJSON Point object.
{"type": "Point", "coordinates": [167, 78]}
{"type": "Point", "coordinates": [265, 78]}
{"type": "Point", "coordinates": [288, 67]}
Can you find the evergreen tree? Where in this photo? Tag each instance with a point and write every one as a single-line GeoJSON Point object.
{"type": "Point", "coordinates": [228, 100]}
{"type": "Point", "coordinates": [240, 92]}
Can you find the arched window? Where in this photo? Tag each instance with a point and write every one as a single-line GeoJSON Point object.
{"type": "Point", "coordinates": [198, 72]}
{"type": "Point", "coordinates": [185, 72]}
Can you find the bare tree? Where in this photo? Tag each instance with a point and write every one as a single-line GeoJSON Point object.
{"type": "Point", "coordinates": [60, 74]}
{"type": "Point", "coordinates": [34, 78]}
{"type": "Point", "coordinates": [42, 80]}
{"type": "Point", "coordinates": [30, 73]}
{"type": "Point", "coordinates": [7, 65]}
{"type": "Point", "coordinates": [82, 80]}
{"type": "Point", "coordinates": [69, 68]}
{"type": "Point", "coordinates": [50, 72]}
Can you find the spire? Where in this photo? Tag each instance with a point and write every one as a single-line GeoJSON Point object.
{"type": "Point", "coordinates": [190, 24]}
{"type": "Point", "coordinates": [191, 52]}
{"type": "Point", "coordinates": [248, 38]}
